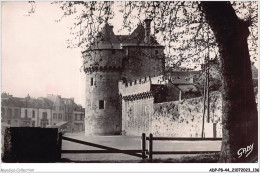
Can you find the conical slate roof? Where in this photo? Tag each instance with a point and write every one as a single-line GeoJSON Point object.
{"type": "Point", "coordinates": [106, 39]}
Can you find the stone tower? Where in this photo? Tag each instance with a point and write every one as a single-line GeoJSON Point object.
{"type": "Point", "coordinates": [113, 58]}
{"type": "Point", "coordinates": [102, 65]}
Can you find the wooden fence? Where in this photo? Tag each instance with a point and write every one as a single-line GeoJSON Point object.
{"type": "Point", "coordinates": [106, 149]}
{"type": "Point", "coordinates": [150, 151]}
{"type": "Point", "coordinates": [143, 153]}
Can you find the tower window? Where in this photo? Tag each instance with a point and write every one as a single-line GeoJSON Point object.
{"type": "Point", "coordinates": [156, 52]}
{"type": "Point", "coordinates": [101, 104]}
{"type": "Point", "coordinates": [92, 81]}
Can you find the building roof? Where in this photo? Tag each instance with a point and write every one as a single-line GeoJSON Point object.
{"type": "Point", "coordinates": [137, 37]}
{"type": "Point", "coordinates": [58, 100]}
{"type": "Point", "coordinates": [106, 39]}
{"type": "Point", "coordinates": [27, 102]}
{"type": "Point", "coordinates": [187, 87]}
{"type": "Point", "coordinates": [6, 95]}
{"type": "Point", "coordinates": [182, 77]}
{"type": "Point", "coordinates": [122, 38]}
{"type": "Point", "coordinates": [78, 108]}
{"type": "Point", "coordinates": [13, 102]}
{"type": "Point", "coordinates": [40, 103]}
{"type": "Point", "coordinates": [37, 103]}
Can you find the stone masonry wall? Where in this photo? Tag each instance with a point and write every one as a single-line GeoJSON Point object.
{"type": "Point", "coordinates": [137, 116]}
{"type": "Point", "coordinates": [135, 87]}
{"type": "Point", "coordinates": [106, 120]}
{"type": "Point", "coordinates": [143, 61]}
{"type": "Point", "coordinates": [137, 106]}
{"type": "Point", "coordinates": [103, 106]}
{"type": "Point", "coordinates": [103, 58]}
{"type": "Point", "coordinates": [184, 118]}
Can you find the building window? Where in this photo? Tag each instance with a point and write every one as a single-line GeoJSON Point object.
{"type": "Point", "coordinates": [44, 124]}
{"type": "Point", "coordinates": [101, 104]}
{"type": "Point", "coordinates": [3, 112]}
{"type": "Point", "coordinates": [44, 115]}
{"type": "Point", "coordinates": [33, 123]}
{"type": "Point", "coordinates": [8, 121]}
{"type": "Point", "coordinates": [92, 81]}
{"type": "Point", "coordinates": [156, 52]}
{"type": "Point", "coordinates": [59, 116]}
{"type": "Point", "coordinates": [26, 113]}
{"type": "Point", "coordinates": [16, 113]}
{"type": "Point", "coordinates": [9, 113]}
{"type": "Point", "coordinates": [55, 116]}
{"type": "Point", "coordinates": [33, 114]}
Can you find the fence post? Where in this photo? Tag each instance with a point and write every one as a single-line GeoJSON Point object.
{"type": "Point", "coordinates": [151, 146]}
{"type": "Point", "coordinates": [59, 145]}
{"type": "Point", "coordinates": [143, 146]}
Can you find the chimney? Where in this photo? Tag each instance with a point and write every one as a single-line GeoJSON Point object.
{"type": "Point", "coordinates": [147, 30]}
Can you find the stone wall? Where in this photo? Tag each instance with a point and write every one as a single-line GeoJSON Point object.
{"type": "Point", "coordinates": [137, 116]}
{"type": "Point", "coordinates": [134, 87]}
{"type": "Point", "coordinates": [184, 118]}
{"type": "Point", "coordinates": [176, 118]}
{"type": "Point", "coordinates": [106, 120]}
{"type": "Point", "coordinates": [143, 61]}
{"type": "Point", "coordinates": [103, 58]}
{"type": "Point", "coordinates": [103, 72]}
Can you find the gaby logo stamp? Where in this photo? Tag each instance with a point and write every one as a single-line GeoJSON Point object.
{"type": "Point", "coordinates": [245, 151]}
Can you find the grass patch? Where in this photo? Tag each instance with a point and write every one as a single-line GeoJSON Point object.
{"type": "Point", "coordinates": [203, 158]}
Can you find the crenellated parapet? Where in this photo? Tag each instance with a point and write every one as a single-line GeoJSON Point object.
{"type": "Point", "coordinates": [136, 89]}
{"type": "Point", "coordinates": [102, 69]}
{"type": "Point", "coordinates": [103, 60]}
{"type": "Point", "coordinates": [139, 96]}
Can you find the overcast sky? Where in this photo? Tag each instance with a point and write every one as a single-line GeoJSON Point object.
{"type": "Point", "coordinates": [35, 59]}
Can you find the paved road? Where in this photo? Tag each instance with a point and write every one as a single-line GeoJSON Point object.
{"type": "Point", "coordinates": [131, 143]}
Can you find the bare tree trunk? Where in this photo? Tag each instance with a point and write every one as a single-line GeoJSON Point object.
{"type": "Point", "coordinates": [204, 109]}
{"type": "Point", "coordinates": [207, 83]}
{"type": "Point", "coordinates": [239, 108]}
